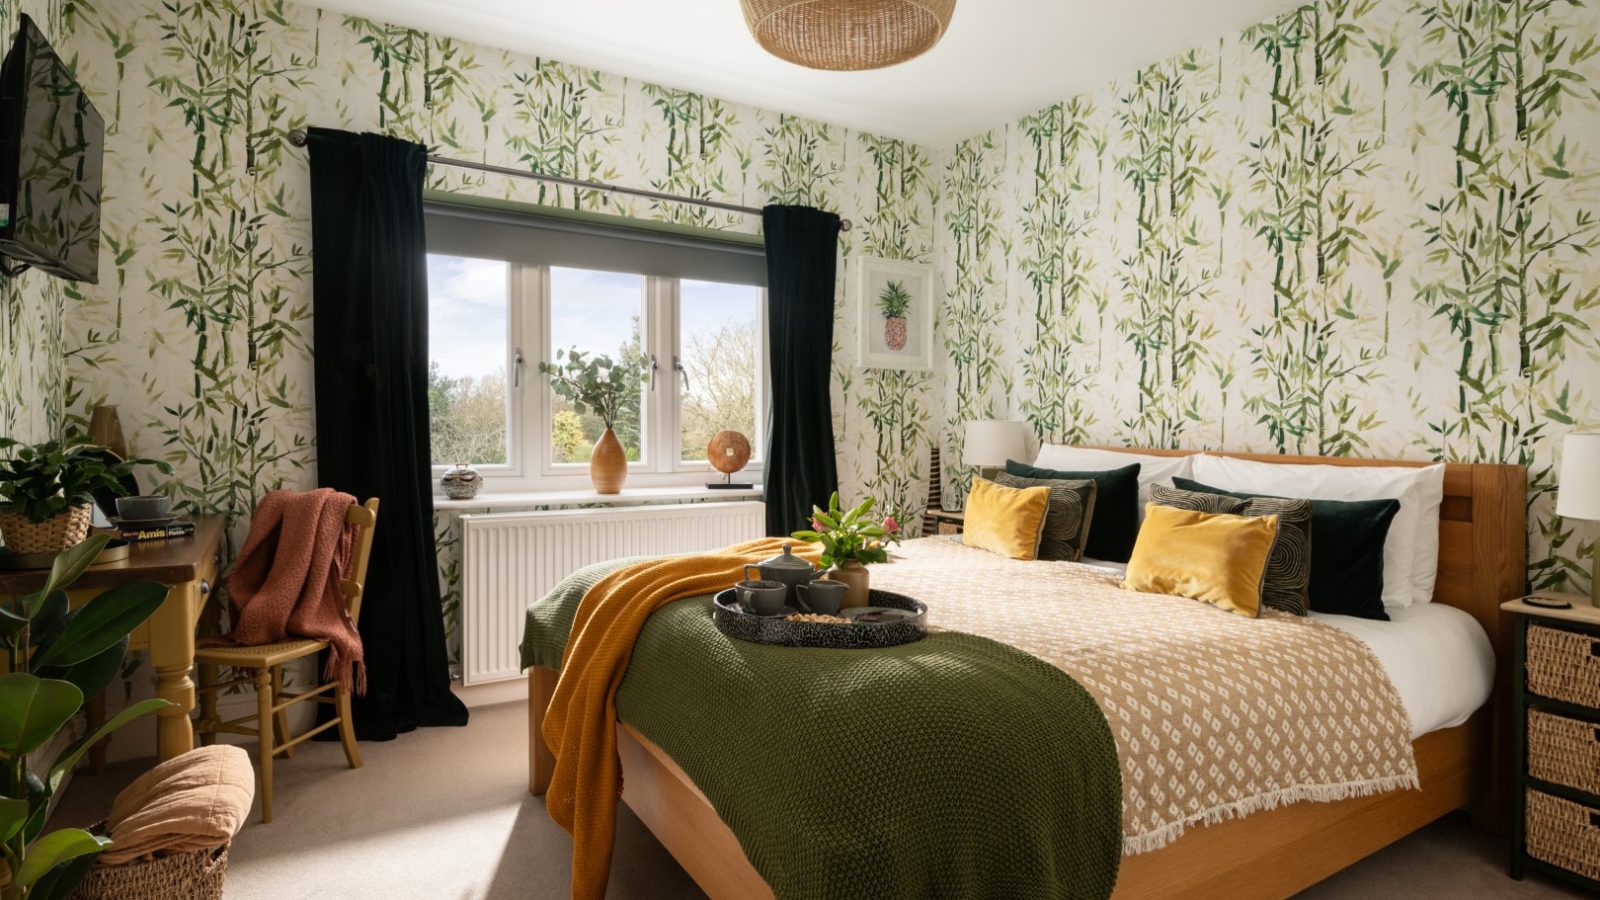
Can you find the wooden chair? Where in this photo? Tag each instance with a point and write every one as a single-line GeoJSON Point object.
{"type": "Point", "coordinates": [266, 662]}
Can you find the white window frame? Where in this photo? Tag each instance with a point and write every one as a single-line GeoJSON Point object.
{"type": "Point", "coordinates": [530, 402]}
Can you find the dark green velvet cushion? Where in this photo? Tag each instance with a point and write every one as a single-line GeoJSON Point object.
{"type": "Point", "coordinates": [1116, 507]}
{"type": "Point", "coordinates": [1347, 559]}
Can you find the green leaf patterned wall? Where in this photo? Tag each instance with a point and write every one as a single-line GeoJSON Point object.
{"type": "Point", "coordinates": [1365, 227]}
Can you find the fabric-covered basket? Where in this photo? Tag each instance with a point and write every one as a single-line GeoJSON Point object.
{"type": "Point", "coordinates": [196, 875]}
{"type": "Point", "coordinates": [1564, 665]}
{"type": "Point", "coordinates": [1563, 833]}
{"type": "Point", "coordinates": [1564, 751]}
{"type": "Point", "coordinates": [53, 535]}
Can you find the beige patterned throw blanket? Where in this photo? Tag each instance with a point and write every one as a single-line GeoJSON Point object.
{"type": "Point", "coordinates": [1215, 715]}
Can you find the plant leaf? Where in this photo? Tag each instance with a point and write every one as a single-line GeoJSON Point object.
{"type": "Point", "coordinates": [55, 848]}
{"type": "Point", "coordinates": [61, 881]}
{"type": "Point", "coordinates": [32, 709]}
{"type": "Point", "coordinates": [102, 622]}
{"type": "Point", "coordinates": [70, 756]}
{"type": "Point", "coordinates": [13, 813]}
{"type": "Point", "coordinates": [71, 562]}
{"type": "Point", "coordinates": [93, 674]}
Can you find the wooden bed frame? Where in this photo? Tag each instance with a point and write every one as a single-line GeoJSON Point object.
{"type": "Point", "coordinates": [1482, 562]}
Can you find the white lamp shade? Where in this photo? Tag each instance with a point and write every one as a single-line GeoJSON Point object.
{"type": "Point", "coordinates": [991, 443]}
{"type": "Point", "coordinates": [1578, 492]}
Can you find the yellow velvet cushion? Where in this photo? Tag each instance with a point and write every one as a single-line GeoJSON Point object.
{"type": "Point", "coordinates": [1219, 559]}
{"type": "Point", "coordinates": [1004, 520]}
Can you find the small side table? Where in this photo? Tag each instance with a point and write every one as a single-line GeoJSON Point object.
{"type": "Point", "coordinates": [1556, 741]}
{"type": "Point", "coordinates": [939, 521]}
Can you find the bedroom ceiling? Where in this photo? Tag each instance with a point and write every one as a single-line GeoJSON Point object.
{"type": "Point", "coordinates": [1001, 58]}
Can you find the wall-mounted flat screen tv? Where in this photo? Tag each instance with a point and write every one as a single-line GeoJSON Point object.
{"type": "Point", "coordinates": [51, 147]}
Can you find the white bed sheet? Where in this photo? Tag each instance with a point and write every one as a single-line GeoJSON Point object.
{"type": "Point", "coordinates": [1438, 657]}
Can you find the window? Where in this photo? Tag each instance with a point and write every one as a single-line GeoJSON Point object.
{"type": "Point", "coordinates": [498, 309]}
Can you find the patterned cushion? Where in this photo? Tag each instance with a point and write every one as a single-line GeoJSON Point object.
{"type": "Point", "coordinates": [1066, 521]}
{"type": "Point", "coordinates": [1289, 567]}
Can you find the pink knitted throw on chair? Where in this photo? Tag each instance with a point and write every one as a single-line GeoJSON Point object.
{"type": "Point", "coordinates": [285, 583]}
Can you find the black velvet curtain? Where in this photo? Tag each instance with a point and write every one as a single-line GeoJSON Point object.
{"type": "Point", "coordinates": [802, 258]}
{"type": "Point", "coordinates": [370, 320]}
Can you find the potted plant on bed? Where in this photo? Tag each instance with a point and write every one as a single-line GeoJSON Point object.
{"type": "Point", "coordinates": [49, 489]}
{"type": "Point", "coordinates": [851, 540]}
{"type": "Point", "coordinates": [603, 387]}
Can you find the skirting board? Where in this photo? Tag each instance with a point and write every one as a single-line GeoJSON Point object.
{"type": "Point", "coordinates": [495, 692]}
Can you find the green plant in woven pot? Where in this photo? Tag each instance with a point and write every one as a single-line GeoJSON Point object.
{"type": "Point", "coordinates": [58, 657]}
{"type": "Point", "coordinates": [895, 303]}
{"type": "Point", "coordinates": [49, 489]}
{"type": "Point", "coordinates": [604, 387]}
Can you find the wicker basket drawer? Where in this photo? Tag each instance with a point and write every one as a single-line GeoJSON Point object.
{"type": "Point", "coordinates": [1564, 834]}
{"type": "Point", "coordinates": [1564, 751]}
{"type": "Point", "coordinates": [1564, 665]}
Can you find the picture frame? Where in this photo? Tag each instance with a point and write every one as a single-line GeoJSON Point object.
{"type": "Point", "coordinates": [895, 322]}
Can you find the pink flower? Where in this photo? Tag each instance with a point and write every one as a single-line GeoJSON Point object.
{"type": "Point", "coordinates": [816, 525]}
{"type": "Point", "coordinates": [890, 525]}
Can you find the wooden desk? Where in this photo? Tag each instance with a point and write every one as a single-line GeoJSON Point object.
{"type": "Point", "coordinates": [189, 565]}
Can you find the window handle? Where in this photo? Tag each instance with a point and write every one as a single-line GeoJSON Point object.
{"type": "Point", "coordinates": [677, 366]}
{"type": "Point", "coordinates": [654, 367]}
{"type": "Point", "coordinates": [516, 368]}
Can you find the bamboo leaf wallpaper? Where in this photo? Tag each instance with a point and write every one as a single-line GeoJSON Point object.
{"type": "Point", "coordinates": [1364, 227]}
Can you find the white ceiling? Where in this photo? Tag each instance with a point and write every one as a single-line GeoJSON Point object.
{"type": "Point", "coordinates": [1000, 60]}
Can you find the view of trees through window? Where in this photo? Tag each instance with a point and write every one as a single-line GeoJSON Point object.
{"type": "Point", "coordinates": [468, 300]}
{"type": "Point", "coordinates": [720, 336]}
{"type": "Point", "coordinates": [600, 314]}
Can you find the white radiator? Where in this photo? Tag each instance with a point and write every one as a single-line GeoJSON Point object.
{"type": "Point", "coordinates": [510, 560]}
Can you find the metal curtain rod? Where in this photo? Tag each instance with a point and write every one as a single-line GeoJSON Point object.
{"type": "Point", "coordinates": [297, 137]}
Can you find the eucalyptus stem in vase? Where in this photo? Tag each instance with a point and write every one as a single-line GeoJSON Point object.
{"type": "Point", "coordinates": [602, 386]}
{"type": "Point", "coordinates": [851, 540]}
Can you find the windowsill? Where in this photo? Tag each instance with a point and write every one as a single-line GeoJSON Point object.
{"type": "Point", "coordinates": [525, 499]}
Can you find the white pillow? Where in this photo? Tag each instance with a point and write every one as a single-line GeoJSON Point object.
{"type": "Point", "coordinates": [1153, 469]}
{"type": "Point", "coordinates": [1411, 551]}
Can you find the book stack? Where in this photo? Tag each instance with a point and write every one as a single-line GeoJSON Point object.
{"type": "Point", "coordinates": [143, 531]}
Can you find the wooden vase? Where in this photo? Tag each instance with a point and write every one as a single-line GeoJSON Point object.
{"type": "Point", "coordinates": [855, 577]}
{"type": "Point", "coordinates": [608, 464]}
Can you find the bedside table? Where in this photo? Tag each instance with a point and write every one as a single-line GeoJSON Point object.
{"type": "Point", "coordinates": [938, 521]}
{"type": "Point", "coordinates": [1556, 741]}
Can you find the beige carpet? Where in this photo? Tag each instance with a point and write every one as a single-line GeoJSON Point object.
{"type": "Point", "coordinates": [444, 813]}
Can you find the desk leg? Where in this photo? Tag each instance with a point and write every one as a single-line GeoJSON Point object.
{"type": "Point", "coordinates": [172, 656]}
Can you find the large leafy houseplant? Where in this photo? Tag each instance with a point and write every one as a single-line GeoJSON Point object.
{"type": "Point", "coordinates": [56, 658]}
{"type": "Point", "coordinates": [41, 481]}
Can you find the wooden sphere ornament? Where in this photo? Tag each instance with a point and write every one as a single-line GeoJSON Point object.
{"type": "Point", "coordinates": [728, 452]}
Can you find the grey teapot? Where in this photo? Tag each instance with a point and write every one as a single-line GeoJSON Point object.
{"type": "Point", "coordinates": [787, 568]}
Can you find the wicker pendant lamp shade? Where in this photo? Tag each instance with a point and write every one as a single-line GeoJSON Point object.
{"type": "Point", "coordinates": [847, 35]}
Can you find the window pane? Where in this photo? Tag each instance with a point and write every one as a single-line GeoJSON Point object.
{"type": "Point", "coordinates": [598, 313]}
{"type": "Point", "coordinates": [720, 344]}
{"type": "Point", "coordinates": [468, 325]}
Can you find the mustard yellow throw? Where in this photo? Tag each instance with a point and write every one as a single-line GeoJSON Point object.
{"type": "Point", "coordinates": [580, 726]}
{"type": "Point", "coordinates": [1004, 520]}
{"type": "Point", "coordinates": [1219, 559]}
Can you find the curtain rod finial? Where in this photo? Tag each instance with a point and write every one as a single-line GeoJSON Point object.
{"type": "Point", "coordinates": [297, 137]}
{"type": "Point", "coordinates": [845, 225]}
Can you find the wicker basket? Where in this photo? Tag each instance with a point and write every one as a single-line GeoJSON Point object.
{"type": "Point", "coordinates": [196, 875]}
{"type": "Point", "coordinates": [1564, 751]}
{"type": "Point", "coordinates": [1563, 833]}
{"type": "Point", "coordinates": [1564, 665]}
{"type": "Point", "coordinates": [53, 535]}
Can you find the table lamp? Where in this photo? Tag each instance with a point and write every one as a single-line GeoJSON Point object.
{"type": "Point", "coordinates": [1578, 492]}
{"type": "Point", "coordinates": [989, 444]}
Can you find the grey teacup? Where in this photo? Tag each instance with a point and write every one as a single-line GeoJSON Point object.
{"type": "Point", "coordinates": [822, 597]}
{"type": "Point", "coordinates": [764, 598]}
{"type": "Point", "coordinates": [149, 506]}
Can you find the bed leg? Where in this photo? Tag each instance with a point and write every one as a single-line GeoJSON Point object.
{"type": "Point", "coordinates": [541, 762]}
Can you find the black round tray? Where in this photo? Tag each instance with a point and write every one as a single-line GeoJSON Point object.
{"type": "Point", "coordinates": [734, 622]}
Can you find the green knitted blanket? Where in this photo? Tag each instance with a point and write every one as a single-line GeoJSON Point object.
{"type": "Point", "coordinates": [955, 766]}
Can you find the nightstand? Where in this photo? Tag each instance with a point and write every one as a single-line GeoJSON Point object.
{"type": "Point", "coordinates": [939, 521]}
{"type": "Point", "coordinates": [1556, 741]}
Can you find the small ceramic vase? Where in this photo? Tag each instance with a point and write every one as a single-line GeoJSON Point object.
{"type": "Point", "coordinates": [854, 576]}
{"type": "Point", "coordinates": [608, 464]}
{"type": "Point", "coordinates": [462, 482]}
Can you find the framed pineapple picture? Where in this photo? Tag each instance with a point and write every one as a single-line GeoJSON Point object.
{"type": "Point", "coordinates": [896, 325]}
